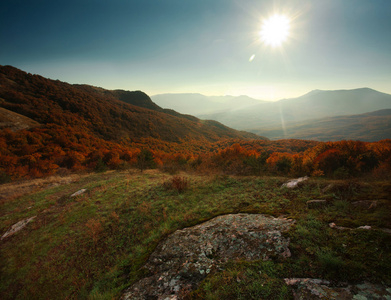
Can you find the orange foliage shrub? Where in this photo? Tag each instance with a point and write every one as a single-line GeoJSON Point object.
{"type": "Point", "coordinates": [176, 183]}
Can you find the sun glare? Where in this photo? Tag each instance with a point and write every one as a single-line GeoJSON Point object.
{"type": "Point", "coordinates": [275, 30]}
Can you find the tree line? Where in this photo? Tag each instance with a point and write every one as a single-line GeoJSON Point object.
{"type": "Point", "coordinates": [54, 149]}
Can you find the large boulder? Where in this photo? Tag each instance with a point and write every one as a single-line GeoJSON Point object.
{"type": "Point", "coordinates": [187, 256]}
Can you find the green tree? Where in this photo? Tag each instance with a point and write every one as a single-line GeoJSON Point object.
{"type": "Point", "coordinates": [145, 160]}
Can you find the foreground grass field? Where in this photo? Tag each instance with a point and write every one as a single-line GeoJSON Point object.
{"type": "Point", "coordinates": [93, 245]}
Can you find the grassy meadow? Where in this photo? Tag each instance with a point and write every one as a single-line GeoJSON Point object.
{"type": "Point", "coordinates": [92, 246]}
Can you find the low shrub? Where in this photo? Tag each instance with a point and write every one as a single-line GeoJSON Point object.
{"type": "Point", "coordinates": [176, 183]}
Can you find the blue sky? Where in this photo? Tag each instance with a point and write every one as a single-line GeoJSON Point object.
{"type": "Point", "coordinates": [204, 46]}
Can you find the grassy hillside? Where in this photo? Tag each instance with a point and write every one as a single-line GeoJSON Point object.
{"type": "Point", "coordinates": [93, 245]}
{"type": "Point", "coordinates": [370, 127]}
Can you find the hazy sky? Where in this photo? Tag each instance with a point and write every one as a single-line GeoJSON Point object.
{"type": "Point", "coordinates": [204, 46]}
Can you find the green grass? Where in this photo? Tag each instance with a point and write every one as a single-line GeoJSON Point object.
{"type": "Point", "coordinates": [92, 246]}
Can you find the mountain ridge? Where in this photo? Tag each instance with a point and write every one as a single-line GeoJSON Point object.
{"type": "Point", "coordinates": [313, 105]}
{"type": "Point", "coordinates": [368, 127]}
{"type": "Point", "coordinates": [198, 104]}
{"type": "Point", "coordinates": [112, 115]}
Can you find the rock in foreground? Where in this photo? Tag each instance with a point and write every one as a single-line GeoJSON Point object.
{"type": "Point", "coordinates": [187, 256]}
{"type": "Point", "coordinates": [308, 288]}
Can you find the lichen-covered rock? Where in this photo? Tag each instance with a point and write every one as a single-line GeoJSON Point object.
{"type": "Point", "coordinates": [308, 288]}
{"type": "Point", "coordinates": [187, 256]}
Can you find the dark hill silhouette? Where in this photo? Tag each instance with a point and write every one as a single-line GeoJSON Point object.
{"type": "Point", "coordinates": [112, 115]}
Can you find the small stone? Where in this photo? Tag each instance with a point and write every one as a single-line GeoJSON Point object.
{"type": "Point", "coordinates": [293, 183]}
{"type": "Point", "coordinates": [367, 227]}
{"type": "Point", "coordinates": [82, 191]}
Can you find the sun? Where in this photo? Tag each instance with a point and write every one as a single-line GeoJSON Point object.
{"type": "Point", "coordinates": [275, 30]}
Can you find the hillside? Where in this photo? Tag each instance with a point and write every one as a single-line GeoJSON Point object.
{"type": "Point", "coordinates": [314, 105]}
{"type": "Point", "coordinates": [111, 115]}
{"type": "Point", "coordinates": [373, 126]}
{"type": "Point", "coordinates": [94, 245]}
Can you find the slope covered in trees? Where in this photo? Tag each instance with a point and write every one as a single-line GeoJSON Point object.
{"type": "Point", "coordinates": [79, 127]}
{"type": "Point", "coordinates": [111, 115]}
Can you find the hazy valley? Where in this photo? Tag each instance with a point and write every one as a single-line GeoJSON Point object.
{"type": "Point", "coordinates": [289, 118]}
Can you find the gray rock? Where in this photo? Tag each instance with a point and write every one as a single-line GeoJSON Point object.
{"type": "Point", "coordinates": [17, 227]}
{"type": "Point", "coordinates": [293, 183]}
{"type": "Point", "coordinates": [186, 257]}
{"type": "Point", "coordinates": [316, 204]}
{"type": "Point", "coordinates": [366, 227]}
{"type": "Point", "coordinates": [308, 288]}
{"type": "Point", "coordinates": [82, 191]}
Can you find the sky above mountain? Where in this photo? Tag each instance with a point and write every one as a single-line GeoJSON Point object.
{"type": "Point", "coordinates": [213, 47]}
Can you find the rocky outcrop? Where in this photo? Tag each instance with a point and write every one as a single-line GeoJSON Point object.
{"type": "Point", "coordinates": [187, 256]}
{"type": "Point", "coordinates": [308, 288]}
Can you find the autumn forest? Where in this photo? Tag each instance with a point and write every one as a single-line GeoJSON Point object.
{"type": "Point", "coordinates": [66, 128]}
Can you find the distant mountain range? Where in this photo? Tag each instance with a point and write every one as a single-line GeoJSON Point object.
{"type": "Point", "coordinates": [33, 100]}
{"type": "Point", "coordinates": [293, 118]}
{"type": "Point", "coordinates": [373, 126]}
{"type": "Point", "coordinates": [197, 104]}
